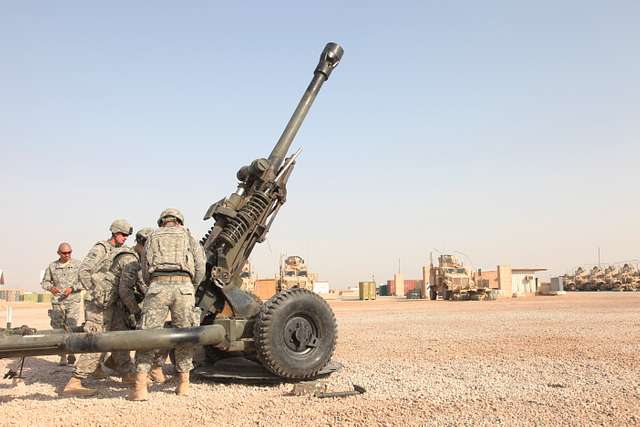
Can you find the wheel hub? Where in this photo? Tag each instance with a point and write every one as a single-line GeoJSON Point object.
{"type": "Point", "coordinates": [299, 334]}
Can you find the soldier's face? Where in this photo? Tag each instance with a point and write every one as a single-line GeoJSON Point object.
{"type": "Point", "coordinates": [64, 252]}
{"type": "Point", "coordinates": [120, 239]}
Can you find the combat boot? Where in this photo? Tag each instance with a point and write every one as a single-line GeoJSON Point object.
{"type": "Point", "coordinates": [183, 383]}
{"type": "Point", "coordinates": [99, 373]}
{"type": "Point", "coordinates": [75, 388]}
{"type": "Point", "coordinates": [110, 363]}
{"type": "Point", "coordinates": [157, 375]}
{"type": "Point", "coordinates": [139, 390]}
{"type": "Point", "coordinates": [71, 359]}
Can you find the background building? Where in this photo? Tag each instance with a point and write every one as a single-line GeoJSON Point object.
{"type": "Point", "coordinates": [512, 282]}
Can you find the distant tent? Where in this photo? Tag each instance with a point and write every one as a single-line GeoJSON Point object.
{"type": "Point", "coordinates": [1, 277]}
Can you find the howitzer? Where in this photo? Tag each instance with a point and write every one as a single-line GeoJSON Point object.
{"type": "Point", "coordinates": [293, 334]}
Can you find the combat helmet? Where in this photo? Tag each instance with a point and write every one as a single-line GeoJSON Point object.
{"type": "Point", "coordinates": [142, 234]}
{"type": "Point", "coordinates": [170, 213]}
{"type": "Point", "coordinates": [121, 226]}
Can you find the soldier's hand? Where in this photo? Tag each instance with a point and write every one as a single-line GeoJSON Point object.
{"type": "Point", "coordinates": [68, 291]}
{"type": "Point", "coordinates": [131, 321]}
{"type": "Point", "coordinates": [139, 322]}
{"type": "Point", "coordinates": [54, 291]}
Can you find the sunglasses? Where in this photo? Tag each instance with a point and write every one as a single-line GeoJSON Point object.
{"type": "Point", "coordinates": [65, 253]}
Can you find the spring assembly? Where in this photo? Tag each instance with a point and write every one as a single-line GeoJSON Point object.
{"type": "Point", "coordinates": [206, 236]}
{"type": "Point", "coordinates": [247, 216]}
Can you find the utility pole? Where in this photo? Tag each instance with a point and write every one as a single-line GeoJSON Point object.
{"type": "Point", "coordinates": [599, 266]}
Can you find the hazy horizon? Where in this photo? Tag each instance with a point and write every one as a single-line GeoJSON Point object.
{"type": "Point", "coordinates": [507, 132]}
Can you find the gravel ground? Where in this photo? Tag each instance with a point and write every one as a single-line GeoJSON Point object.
{"type": "Point", "coordinates": [570, 360]}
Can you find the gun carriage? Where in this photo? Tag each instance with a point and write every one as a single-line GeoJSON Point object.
{"type": "Point", "coordinates": [293, 335]}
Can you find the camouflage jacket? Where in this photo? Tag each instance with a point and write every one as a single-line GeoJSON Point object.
{"type": "Point", "coordinates": [61, 276]}
{"type": "Point", "coordinates": [131, 287]}
{"type": "Point", "coordinates": [94, 269]}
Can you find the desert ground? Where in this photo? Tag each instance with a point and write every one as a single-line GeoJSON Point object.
{"type": "Point", "coordinates": [569, 360]}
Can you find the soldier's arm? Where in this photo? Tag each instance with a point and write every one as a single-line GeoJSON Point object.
{"type": "Point", "coordinates": [199, 261]}
{"type": "Point", "coordinates": [89, 264]}
{"type": "Point", "coordinates": [47, 281]}
{"type": "Point", "coordinates": [144, 267]}
{"type": "Point", "coordinates": [127, 283]}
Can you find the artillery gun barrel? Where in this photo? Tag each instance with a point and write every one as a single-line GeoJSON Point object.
{"type": "Point", "coordinates": [150, 339]}
{"type": "Point", "coordinates": [329, 59]}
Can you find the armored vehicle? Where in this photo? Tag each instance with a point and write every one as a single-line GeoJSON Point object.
{"type": "Point", "coordinates": [248, 278]}
{"type": "Point", "coordinates": [611, 279]}
{"type": "Point", "coordinates": [569, 282]}
{"type": "Point", "coordinates": [580, 280]}
{"type": "Point", "coordinates": [629, 278]}
{"type": "Point", "coordinates": [294, 274]}
{"type": "Point", "coordinates": [293, 335]}
{"type": "Point", "coordinates": [452, 280]}
{"type": "Point", "coordinates": [596, 279]}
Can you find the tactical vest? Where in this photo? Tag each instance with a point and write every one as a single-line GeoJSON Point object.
{"type": "Point", "coordinates": [168, 250]}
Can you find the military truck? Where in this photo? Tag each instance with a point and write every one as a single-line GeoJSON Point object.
{"type": "Point", "coordinates": [248, 278]}
{"type": "Point", "coordinates": [294, 274]}
{"type": "Point", "coordinates": [596, 279]}
{"type": "Point", "coordinates": [611, 279]}
{"type": "Point", "coordinates": [579, 281]}
{"type": "Point", "coordinates": [452, 280]}
{"type": "Point", "coordinates": [629, 278]}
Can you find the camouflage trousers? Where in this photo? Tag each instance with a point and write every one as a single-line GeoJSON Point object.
{"type": "Point", "coordinates": [122, 322]}
{"type": "Point", "coordinates": [67, 313]}
{"type": "Point", "coordinates": [99, 319]}
{"type": "Point", "coordinates": [119, 322]}
{"type": "Point", "coordinates": [161, 298]}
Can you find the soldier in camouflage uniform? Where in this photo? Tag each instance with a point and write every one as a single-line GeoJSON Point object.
{"type": "Point", "coordinates": [172, 263]}
{"type": "Point", "coordinates": [131, 291]}
{"type": "Point", "coordinates": [96, 277]}
{"type": "Point", "coordinates": [61, 279]}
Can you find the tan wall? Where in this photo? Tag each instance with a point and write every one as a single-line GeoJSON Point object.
{"type": "Point", "coordinates": [399, 280]}
{"type": "Point", "coordinates": [425, 281]}
{"type": "Point", "coordinates": [504, 280]}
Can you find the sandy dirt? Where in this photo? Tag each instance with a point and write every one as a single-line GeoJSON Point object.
{"type": "Point", "coordinates": [570, 360]}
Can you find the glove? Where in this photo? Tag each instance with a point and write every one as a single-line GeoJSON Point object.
{"type": "Point", "coordinates": [131, 321]}
{"type": "Point", "coordinates": [54, 291]}
{"type": "Point", "coordinates": [68, 291]}
{"type": "Point", "coordinates": [139, 321]}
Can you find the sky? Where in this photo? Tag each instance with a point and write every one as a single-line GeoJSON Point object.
{"type": "Point", "coordinates": [505, 131]}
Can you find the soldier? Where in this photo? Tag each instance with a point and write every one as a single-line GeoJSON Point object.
{"type": "Point", "coordinates": [172, 263]}
{"type": "Point", "coordinates": [131, 290]}
{"type": "Point", "coordinates": [61, 279]}
{"type": "Point", "coordinates": [95, 276]}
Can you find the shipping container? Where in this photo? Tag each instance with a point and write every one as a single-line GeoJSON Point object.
{"type": "Point", "coordinates": [44, 298]}
{"type": "Point", "coordinates": [391, 287]}
{"type": "Point", "coordinates": [30, 297]}
{"type": "Point", "coordinates": [409, 285]}
{"type": "Point", "coordinates": [10, 295]}
{"type": "Point", "coordinates": [265, 288]}
{"type": "Point", "coordinates": [383, 290]}
{"type": "Point", "coordinates": [367, 290]}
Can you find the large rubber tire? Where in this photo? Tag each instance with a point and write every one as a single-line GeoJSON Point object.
{"type": "Point", "coordinates": [432, 293]}
{"type": "Point", "coordinates": [295, 334]}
